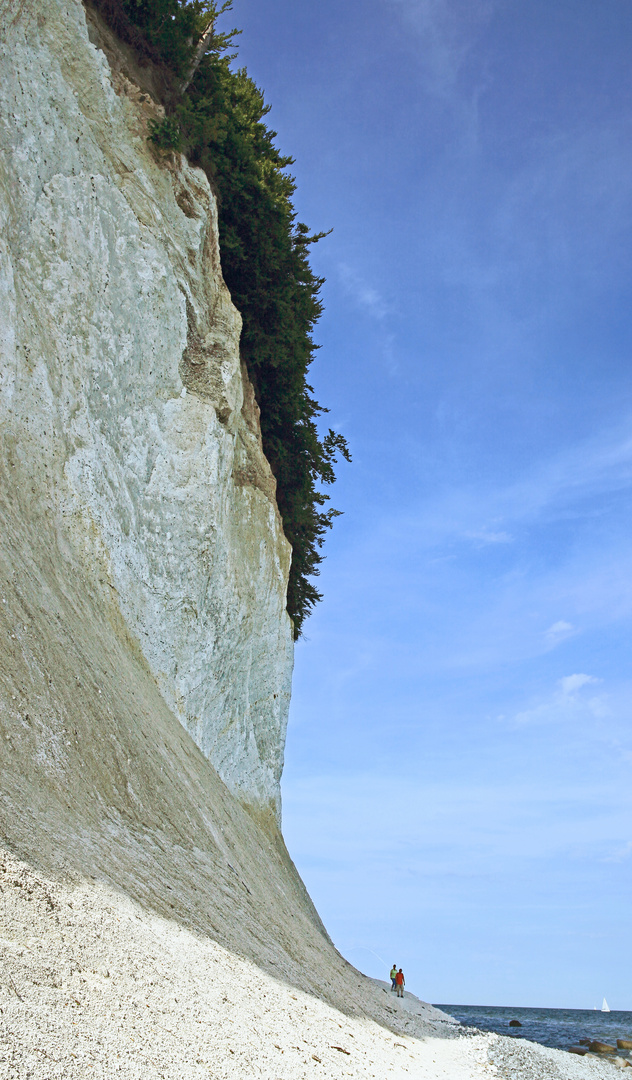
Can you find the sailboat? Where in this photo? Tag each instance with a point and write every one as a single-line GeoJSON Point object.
{"type": "Point", "coordinates": [604, 1006]}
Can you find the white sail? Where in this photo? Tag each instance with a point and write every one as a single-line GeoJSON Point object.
{"type": "Point", "coordinates": [604, 1006]}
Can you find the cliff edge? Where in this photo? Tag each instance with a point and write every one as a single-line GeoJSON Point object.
{"type": "Point", "coordinates": [145, 650]}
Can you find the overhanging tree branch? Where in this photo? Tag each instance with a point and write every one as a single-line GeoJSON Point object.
{"type": "Point", "coordinates": [207, 41]}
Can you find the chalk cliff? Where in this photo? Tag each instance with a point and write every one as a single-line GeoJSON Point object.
{"type": "Point", "coordinates": [129, 430]}
{"type": "Point", "coordinates": [145, 652]}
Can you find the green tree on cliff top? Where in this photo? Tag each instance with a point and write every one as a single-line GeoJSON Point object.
{"type": "Point", "coordinates": [216, 116]}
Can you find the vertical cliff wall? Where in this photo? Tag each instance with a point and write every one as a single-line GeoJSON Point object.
{"type": "Point", "coordinates": [145, 651]}
{"type": "Point", "coordinates": [126, 421]}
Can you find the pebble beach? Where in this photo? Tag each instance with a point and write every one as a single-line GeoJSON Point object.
{"type": "Point", "coordinates": [93, 985]}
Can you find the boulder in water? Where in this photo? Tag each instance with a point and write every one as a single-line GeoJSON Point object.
{"type": "Point", "coordinates": [515, 1023]}
{"type": "Point", "coordinates": [577, 1050]}
{"type": "Point", "coordinates": [624, 1044]}
{"type": "Point", "coordinates": [584, 1042]}
{"type": "Point", "coordinates": [602, 1048]}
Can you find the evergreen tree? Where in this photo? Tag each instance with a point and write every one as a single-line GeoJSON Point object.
{"type": "Point", "coordinates": [216, 116]}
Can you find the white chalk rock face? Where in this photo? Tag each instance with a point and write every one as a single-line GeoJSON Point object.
{"type": "Point", "coordinates": [123, 406]}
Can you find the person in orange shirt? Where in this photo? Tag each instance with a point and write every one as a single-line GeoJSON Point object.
{"type": "Point", "coordinates": [400, 982]}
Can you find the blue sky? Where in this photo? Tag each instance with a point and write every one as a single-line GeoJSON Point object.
{"type": "Point", "coordinates": [457, 791]}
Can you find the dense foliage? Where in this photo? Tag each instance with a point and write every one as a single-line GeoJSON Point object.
{"type": "Point", "coordinates": [216, 116]}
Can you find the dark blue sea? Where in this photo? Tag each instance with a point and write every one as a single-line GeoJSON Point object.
{"type": "Point", "coordinates": [551, 1027]}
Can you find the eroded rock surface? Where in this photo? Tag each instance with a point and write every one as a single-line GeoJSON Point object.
{"type": "Point", "coordinates": [125, 419]}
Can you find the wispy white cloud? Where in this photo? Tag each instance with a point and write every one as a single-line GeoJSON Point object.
{"type": "Point", "coordinates": [487, 536]}
{"type": "Point", "coordinates": [366, 296]}
{"type": "Point", "coordinates": [566, 704]}
{"type": "Point", "coordinates": [446, 31]}
{"type": "Point", "coordinates": [570, 684]}
{"type": "Point", "coordinates": [444, 562]}
{"type": "Point", "coordinates": [580, 177]}
{"type": "Point", "coordinates": [556, 488]}
{"type": "Point", "coordinates": [621, 854]}
{"type": "Point", "coordinates": [559, 631]}
{"type": "Point", "coordinates": [588, 468]}
{"type": "Point", "coordinates": [370, 300]}
{"type": "Point", "coordinates": [532, 234]}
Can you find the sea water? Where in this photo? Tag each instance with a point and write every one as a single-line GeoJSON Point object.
{"type": "Point", "coordinates": [551, 1027]}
